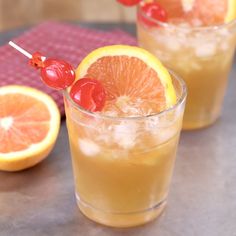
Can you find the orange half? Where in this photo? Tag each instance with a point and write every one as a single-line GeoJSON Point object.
{"type": "Point", "coordinates": [29, 125]}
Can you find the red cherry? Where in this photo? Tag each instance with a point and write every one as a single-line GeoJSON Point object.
{"type": "Point", "coordinates": [89, 94]}
{"type": "Point", "coordinates": [57, 74]}
{"type": "Point", "coordinates": [154, 11]}
{"type": "Point", "coordinates": [129, 3]}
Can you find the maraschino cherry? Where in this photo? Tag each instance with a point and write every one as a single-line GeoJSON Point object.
{"type": "Point", "coordinates": [129, 3]}
{"type": "Point", "coordinates": [154, 11]}
{"type": "Point", "coordinates": [89, 94]}
{"type": "Point", "coordinates": [57, 74]}
{"type": "Point", "coordinates": [86, 92]}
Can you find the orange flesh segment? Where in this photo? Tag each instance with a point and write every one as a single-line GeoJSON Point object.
{"type": "Point", "coordinates": [30, 122]}
{"type": "Point", "coordinates": [132, 87]}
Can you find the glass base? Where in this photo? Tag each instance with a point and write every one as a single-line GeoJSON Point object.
{"type": "Point", "coordinates": [121, 220]}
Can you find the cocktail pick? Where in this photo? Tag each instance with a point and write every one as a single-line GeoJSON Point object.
{"type": "Point", "coordinates": [20, 49]}
{"type": "Point", "coordinates": [58, 74]}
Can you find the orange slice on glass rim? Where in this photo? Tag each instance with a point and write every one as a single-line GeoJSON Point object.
{"type": "Point", "coordinates": [29, 125]}
{"type": "Point", "coordinates": [135, 81]}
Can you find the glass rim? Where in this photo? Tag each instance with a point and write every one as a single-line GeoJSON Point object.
{"type": "Point", "coordinates": [179, 102]}
{"type": "Point", "coordinates": [203, 28]}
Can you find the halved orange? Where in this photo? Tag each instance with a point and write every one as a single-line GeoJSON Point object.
{"type": "Point", "coordinates": [208, 12]}
{"type": "Point", "coordinates": [29, 125]}
{"type": "Point", "coordinates": [135, 81]}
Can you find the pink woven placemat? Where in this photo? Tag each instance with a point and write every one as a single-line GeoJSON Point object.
{"type": "Point", "coordinates": [59, 40]}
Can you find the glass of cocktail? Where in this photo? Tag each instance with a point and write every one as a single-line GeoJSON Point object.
{"type": "Point", "coordinates": [124, 114]}
{"type": "Point", "coordinates": [199, 47]}
{"type": "Point", "coordinates": [123, 157]}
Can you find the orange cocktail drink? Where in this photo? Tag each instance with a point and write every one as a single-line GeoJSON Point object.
{"type": "Point", "coordinates": [123, 157]}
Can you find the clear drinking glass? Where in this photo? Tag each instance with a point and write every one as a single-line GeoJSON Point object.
{"type": "Point", "coordinates": [202, 56]}
{"type": "Point", "coordinates": [123, 166]}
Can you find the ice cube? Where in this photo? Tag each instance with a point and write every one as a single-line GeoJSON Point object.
{"type": "Point", "coordinates": [205, 49]}
{"type": "Point", "coordinates": [164, 134]}
{"type": "Point", "coordinates": [197, 22]}
{"type": "Point", "coordinates": [184, 26]}
{"type": "Point", "coordinates": [185, 64]}
{"type": "Point", "coordinates": [88, 147]}
{"type": "Point", "coordinates": [152, 123]}
{"type": "Point", "coordinates": [224, 46]}
{"type": "Point", "coordinates": [162, 56]}
{"type": "Point", "coordinates": [104, 137]}
{"type": "Point", "coordinates": [163, 128]}
{"type": "Point", "coordinates": [223, 32]}
{"type": "Point", "coordinates": [173, 44]}
{"type": "Point", "coordinates": [112, 113]}
{"type": "Point", "coordinates": [125, 134]}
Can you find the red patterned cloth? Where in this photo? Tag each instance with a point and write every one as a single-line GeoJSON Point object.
{"type": "Point", "coordinates": [58, 40]}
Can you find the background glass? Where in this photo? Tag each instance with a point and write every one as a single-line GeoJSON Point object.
{"type": "Point", "coordinates": [202, 56]}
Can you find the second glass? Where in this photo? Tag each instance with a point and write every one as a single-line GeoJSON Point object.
{"type": "Point", "coordinates": [202, 56]}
